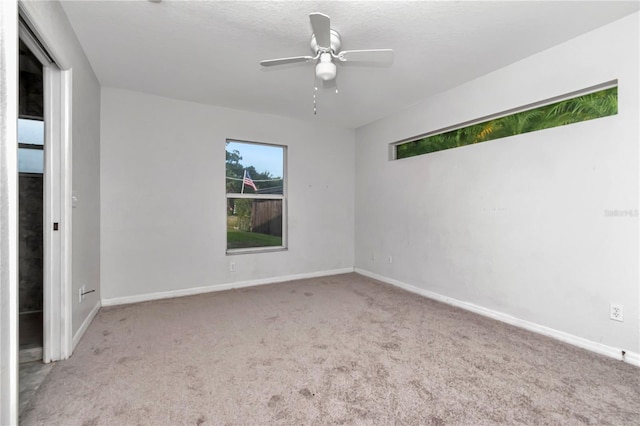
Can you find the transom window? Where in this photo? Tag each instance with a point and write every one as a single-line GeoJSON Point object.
{"type": "Point", "coordinates": [591, 103]}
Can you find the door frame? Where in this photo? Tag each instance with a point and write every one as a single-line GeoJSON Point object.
{"type": "Point", "coordinates": [57, 331]}
{"type": "Point", "coordinates": [57, 280]}
{"type": "Point", "coordinates": [58, 318]}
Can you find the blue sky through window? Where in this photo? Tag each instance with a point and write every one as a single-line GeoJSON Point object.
{"type": "Point", "coordinates": [264, 158]}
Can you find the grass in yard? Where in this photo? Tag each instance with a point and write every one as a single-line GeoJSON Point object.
{"type": "Point", "coordinates": [241, 239]}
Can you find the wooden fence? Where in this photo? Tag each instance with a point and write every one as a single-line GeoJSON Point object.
{"type": "Point", "coordinates": [266, 217]}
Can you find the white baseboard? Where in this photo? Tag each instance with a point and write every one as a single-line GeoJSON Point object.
{"type": "Point", "coordinates": [84, 326]}
{"type": "Point", "coordinates": [218, 287]}
{"type": "Point", "coordinates": [630, 357]}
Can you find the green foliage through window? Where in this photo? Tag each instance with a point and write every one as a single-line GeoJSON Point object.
{"type": "Point", "coordinates": [582, 108]}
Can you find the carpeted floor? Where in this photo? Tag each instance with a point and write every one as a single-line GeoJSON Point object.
{"type": "Point", "coordinates": [335, 350]}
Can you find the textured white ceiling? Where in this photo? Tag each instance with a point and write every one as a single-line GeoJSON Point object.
{"type": "Point", "coordinates": [209, 51]}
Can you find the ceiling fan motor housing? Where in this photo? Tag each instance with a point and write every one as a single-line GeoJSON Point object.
{"type": "Point", "coordinates": [336, 43]}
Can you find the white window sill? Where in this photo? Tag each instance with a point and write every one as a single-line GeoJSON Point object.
{"type": "Point", "coordinates": [233, 252]}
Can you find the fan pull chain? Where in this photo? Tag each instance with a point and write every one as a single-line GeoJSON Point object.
{"type": "Point", "coordinates": [315, 92]}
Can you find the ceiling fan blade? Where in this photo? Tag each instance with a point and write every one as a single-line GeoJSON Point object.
{"type": "Point", "coordinates": [371, 55]}
{"type": "Point", "coordinates": [321, 25]}
{"type": "Point", "coordinates": [282, 61]}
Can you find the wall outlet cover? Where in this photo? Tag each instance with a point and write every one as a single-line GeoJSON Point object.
{"type": "Point", "coordinates": [616, 312]}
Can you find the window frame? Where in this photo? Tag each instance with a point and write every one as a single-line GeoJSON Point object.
{"type": "Point", "coordinates": [283, 197]}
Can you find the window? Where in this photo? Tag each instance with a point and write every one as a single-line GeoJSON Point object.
{"type": "Point", "coordinates": [30, 146]}
{"type": "Point", "coordinates": [256, 197]}
{"type": "Point", "coordinates": [590, 104]}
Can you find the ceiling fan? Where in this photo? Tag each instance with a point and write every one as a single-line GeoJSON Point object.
{"type": "Point", "coordinates": [325, 46]}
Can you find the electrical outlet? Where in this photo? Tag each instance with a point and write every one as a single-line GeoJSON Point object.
{"type": "Point", "coordinates": [232, 266]}
{"type": "Point", "coordinates": [616, 312]}
{"type": "Point", "coordinates": [390, 259]}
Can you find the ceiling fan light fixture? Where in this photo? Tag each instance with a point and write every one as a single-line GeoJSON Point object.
{"type": "Point", "coordinates": [326, 70]}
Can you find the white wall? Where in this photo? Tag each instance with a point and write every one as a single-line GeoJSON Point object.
{"type": "Point", "coordinates": [163, 195]}
{"type": "Point", "coordinates": [516, 225]}
{"type": "Point", "coordinates": [52, 24]}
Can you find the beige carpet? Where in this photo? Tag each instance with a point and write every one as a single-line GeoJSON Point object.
{"type": "Point", "coordinates": [336, 350]}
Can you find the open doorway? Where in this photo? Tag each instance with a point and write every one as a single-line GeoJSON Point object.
{"type": "Point", "coordinates": [46, 95]}
{"type": "Point", "coordinates": [53, 332]}
{"type": "Point", "coordinates": [44, 210]}
{"type": "Point", "coordinates": [31, 148]}
{"type": "Point", "coordinates": [31, 219]}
